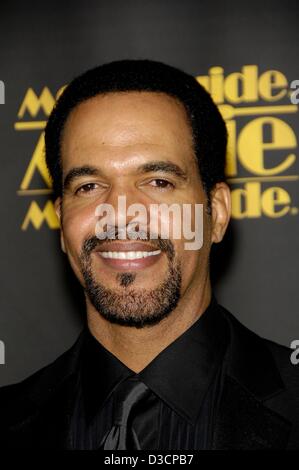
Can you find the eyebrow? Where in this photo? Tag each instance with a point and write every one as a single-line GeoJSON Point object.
{"type": "Point", "coordinates": [159, 165]}
{"type": "Point", "coordinates": [77, 172]}
{"type": "Point", "coordinates": [165, 167]}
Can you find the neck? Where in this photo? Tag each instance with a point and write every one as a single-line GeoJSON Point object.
{"type": "Point", "coordinates": [137, 347]}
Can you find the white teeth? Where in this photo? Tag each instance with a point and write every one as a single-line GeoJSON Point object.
{"type": "Point", "coordinates": [128, 254]}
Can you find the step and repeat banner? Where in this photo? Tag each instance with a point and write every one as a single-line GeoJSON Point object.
{"type": "Point", "coordinates": [247, 58]}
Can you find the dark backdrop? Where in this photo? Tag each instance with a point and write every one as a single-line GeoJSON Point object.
{"type": "Point", "coordinates": [247, 53]}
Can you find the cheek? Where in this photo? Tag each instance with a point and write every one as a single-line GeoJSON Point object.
{"type": "Point", "coordinates": [190, 261]}
{"type": "Point", "coordinates": [78, 224]}
{"type": "Point", "coordinates": [194, 263]}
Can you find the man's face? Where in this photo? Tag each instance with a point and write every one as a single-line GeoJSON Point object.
{"type": "Point", "coordinates": [137, 145]}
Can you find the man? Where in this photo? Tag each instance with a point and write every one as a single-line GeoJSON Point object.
{"type": "Point", "coordinates": [160, 364]}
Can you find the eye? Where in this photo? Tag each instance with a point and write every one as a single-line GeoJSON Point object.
{"type": "Point", "coordinates": [86, 188]}
{"type": "Point", "coordinates": [161, 183]}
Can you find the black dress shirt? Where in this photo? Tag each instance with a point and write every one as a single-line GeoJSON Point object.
{"type": "Point", "coordinates": [185, 381]}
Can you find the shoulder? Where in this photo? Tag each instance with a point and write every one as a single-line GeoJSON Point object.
{"type": "Point", "coordinates": [261, 359]}
{"type": "Point", "coordinates": [24, 396]}
{"type": "Point", "coordinates": [281, 353]}
{"type": "Point", "coordinates": [283, 359]}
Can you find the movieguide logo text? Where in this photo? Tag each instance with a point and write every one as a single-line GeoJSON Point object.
{"type": "Point", "coordinates": [262, 167]}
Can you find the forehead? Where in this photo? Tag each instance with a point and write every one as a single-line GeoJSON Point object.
{"type": "Point", "coordinates": [127, 120]}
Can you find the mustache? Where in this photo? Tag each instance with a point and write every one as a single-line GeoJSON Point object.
{"type": "Point", "coordinates": [91, 243]}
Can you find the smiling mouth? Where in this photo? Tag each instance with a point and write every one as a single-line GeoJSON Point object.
{"type": "Point", "coordinates": [128, 255]}
{"type": "Point", "coordinates": [125, 255]}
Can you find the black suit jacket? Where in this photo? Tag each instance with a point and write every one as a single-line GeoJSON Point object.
{"type": "Point", "coordinates": [259, 407]}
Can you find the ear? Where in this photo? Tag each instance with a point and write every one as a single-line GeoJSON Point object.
{"type": "Point", "coordinates": [221, 211]}
{"type": "Point", "coordinates": [58, 210]}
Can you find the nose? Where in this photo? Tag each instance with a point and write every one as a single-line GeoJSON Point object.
{"type": "Point", "coordinates": [125, 205]}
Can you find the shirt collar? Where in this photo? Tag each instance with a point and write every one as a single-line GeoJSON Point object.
{"type": "Point", "coordinates": [180, 374]}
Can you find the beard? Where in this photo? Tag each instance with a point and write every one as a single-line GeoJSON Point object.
{"type": "Point", "coordinates": [128, 306]}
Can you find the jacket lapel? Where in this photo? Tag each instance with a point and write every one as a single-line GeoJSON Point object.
{"type": "Point", "coordinates": [244, 421]}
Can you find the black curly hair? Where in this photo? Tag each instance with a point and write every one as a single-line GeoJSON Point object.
{"type": "Point", "coordinates": [208, 127]}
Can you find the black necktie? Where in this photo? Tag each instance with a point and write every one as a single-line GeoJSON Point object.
{"type": "Point", "coordinates": [129, 397]}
